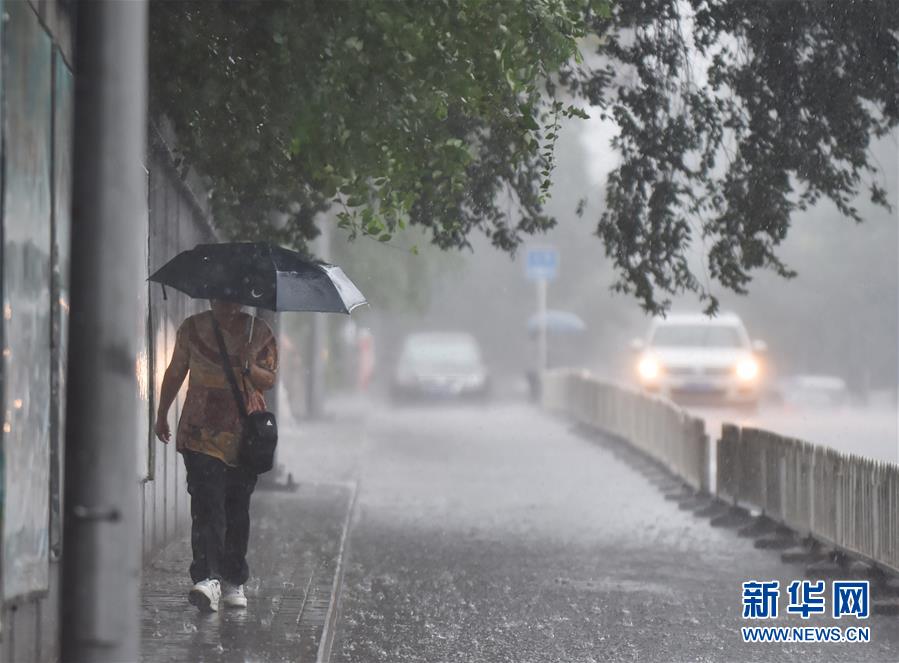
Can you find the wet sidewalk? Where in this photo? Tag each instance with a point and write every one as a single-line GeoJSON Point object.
{"type": "Point", "coordinates": [295, 556]}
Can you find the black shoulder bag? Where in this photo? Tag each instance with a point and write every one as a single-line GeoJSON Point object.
{"type": "Point", "coordinates": [260, 430]}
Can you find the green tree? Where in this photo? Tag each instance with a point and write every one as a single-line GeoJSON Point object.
{"type": "Point", "coordinates": [732, 115]}
{"type": "Point", "coordinates": [395, 111]}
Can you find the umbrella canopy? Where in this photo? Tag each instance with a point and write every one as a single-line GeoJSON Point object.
{"type": "Point", "coordinates": [261, 275]}
{"type": "Point", "coordinates": [557, 322]}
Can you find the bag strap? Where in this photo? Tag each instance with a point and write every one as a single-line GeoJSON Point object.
{"type": "Point", "coordinates": [229, 370]}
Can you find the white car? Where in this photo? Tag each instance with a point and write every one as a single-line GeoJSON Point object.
{"type": "Point", "coordinates": [440, 365]}
{"type": "Point", "coordinates": [694, 358]}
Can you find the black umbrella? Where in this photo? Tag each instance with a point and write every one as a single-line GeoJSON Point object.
{"type": "Point", "coordinates": [261, 275]}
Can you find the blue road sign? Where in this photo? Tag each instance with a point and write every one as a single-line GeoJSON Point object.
{"type": "Point", "coordinates": [542, 264]}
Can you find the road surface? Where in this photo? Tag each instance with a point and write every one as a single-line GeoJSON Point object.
{"type": "Point", "coordinates": [870, 432]}
{"type": "Point", "coordinates": [499, 534]}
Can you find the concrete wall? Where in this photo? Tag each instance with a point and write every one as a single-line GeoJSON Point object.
{"type": "Point", "coordinates": [176, 222]}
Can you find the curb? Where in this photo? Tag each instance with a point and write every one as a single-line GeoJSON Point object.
{"type": "Point", "coordinates": [328, 631]}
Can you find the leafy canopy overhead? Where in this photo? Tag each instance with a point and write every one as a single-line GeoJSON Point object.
{"type": "Point", "coordinates": [733, 115]}
{"type": "Point", "coordinates": [444, 114]}
{"type": "Point", "coordinates": [394, 111]}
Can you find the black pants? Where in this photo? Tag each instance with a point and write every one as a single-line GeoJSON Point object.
{"type": "Point", "coordinates": [220, 515]}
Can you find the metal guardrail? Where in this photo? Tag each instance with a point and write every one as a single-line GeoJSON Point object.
{"type": "Point", "coordinates": [654, 425]}
{"type": "Point", "coordinates": [845, 501]}
{"type": "Point", "coordinates": [842, 500]}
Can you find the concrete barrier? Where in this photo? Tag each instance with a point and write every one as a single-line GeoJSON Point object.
{"type": "Point", "coordinates": [844, 501]}
{"type": "Point", "coordinates": [655, 426]}
{"type": "Point", "coordinates": [841, 500]}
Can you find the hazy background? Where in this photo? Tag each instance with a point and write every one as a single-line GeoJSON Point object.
{"type": "Point", "coordinates": [838, 316]}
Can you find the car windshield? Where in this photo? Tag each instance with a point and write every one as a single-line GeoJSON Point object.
{"type": "Point", "coordinates": [697, 336]}
{"type": "Point", "coordinates": [457, 351]}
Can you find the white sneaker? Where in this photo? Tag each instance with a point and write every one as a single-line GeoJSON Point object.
{"type": "Point", "coordinates": [205, 595]}
{"type": "Point", "coordinates": [233, 596]}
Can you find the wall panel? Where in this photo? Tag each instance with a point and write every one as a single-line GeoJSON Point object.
{"type": "Point", "coordinates": [28, 57]}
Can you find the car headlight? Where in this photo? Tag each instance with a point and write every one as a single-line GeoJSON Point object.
{"type": "Point", "coordinates": [648, 369]}
{"type": "Point", "coordinates": [748, 370]}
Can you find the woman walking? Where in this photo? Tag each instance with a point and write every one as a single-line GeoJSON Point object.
{"type": "Point", "coordinates": [208, 437]}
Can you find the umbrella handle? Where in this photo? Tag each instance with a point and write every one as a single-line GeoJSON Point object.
{"type": "Point", "coordinates": [250, 339]}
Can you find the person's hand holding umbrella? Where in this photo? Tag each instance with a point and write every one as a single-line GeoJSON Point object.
{"type": "Point", "coordinates": [260, 377]}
